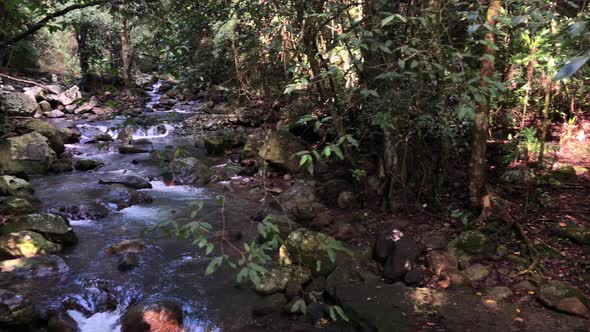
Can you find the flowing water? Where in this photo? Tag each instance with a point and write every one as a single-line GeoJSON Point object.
{"type": "Point", "coordinates": [94, 291]}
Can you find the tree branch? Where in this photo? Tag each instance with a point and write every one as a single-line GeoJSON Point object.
{"type": "Point", "coordinates": [48, 18]}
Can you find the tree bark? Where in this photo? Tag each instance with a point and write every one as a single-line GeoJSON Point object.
{"type": "Point", "coordinates": [125, 48]}
{"type": "Point", "coordinates": [478, 162]}
{"type": "Point", "coordinates": [37, 26]}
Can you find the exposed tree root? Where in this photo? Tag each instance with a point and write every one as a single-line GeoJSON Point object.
{"type": "Point", "coordinates": [495, 207]}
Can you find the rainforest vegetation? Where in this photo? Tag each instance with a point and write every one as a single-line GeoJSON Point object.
{"type": "Point", "coordinates": [343, 164]}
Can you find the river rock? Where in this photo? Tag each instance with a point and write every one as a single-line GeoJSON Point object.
{"type": "Point", "coordinates": [131, 181]}
{"type": "Point", "coordinates": [269, 304]}
{"type": "Point", "coordinates": [17, 104]}
{"type": "Point", "coordinates": [62, 165]}
{"type": "Point", "coordinates": [159, 316]}
{"type": "Point", "coordinates": [29, 154]}
{"type": "Point", "coordinates": [300, 202]}
{"type": "Point", "coordinates": [131, 149]}
{"type": "Point", "coordinates": [439, 261]}
{"type": "Point", "coordinates": [124, 197]}
{"type": "Point", "coordinates": [277, 277]}
{"type": "Point", "coordinates": [402, 259]}
{"type": "Point", "coordinates": [477, 272]}
{"type": "Point", "coordinates": [284, 225]}
{"type": "Point", "coordinates": [87, 107]}
{"type": "Point", "coordinates": [84, 211]}
{"type": "Point", "coordinates": [128, 260]}
{"type": "Point", "coordinates": [54, 135]}
{"type": "Point", "coordinates": [15, 206]}
{"type": "Point", "coordinates": [62, 322]}
{"type": "Point", "coordinates": [125, 136]}
{"type": "Point", "coordinates": [26, 244]}
{"type": "Point", "coordinates": [280, 149]}
{"type": "Point", "coordinates": [33, 267]}
{"type": "Point", "coordinates": [308, 248]}
{"type": "Point", "coordinates": [13, 186]}
{"type": "Point", "coordinates": [563, 297]}
{"type": "Point", "coordinates": [87, 164]}
{"type": "Point", "coordinates": [190, 171]}
{"type": "Point", "coordinates": [16, 309]}
{"type": "Point", "coordinates": [70, 135]}
{"type": "Point", "coordinates": [54, 114]}
{"type": "Point", "coordinates": [68, 97]}
{"type": "Point", "coordinates": [45, 106]}
{"type": "Point", "coordinates": [133, 245]}
{"type": "Point", "coordinates": [53, 227]}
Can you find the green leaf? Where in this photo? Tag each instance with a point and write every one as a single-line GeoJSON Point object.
{"type": "Point", "coordinates": [254, 277]}
{"type": "Point", "coordinates": [214, 265]}
{"type": "Point", "coordinates": [341, 313]}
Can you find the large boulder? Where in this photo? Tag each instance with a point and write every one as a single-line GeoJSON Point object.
{"type": "Point", "coordinates": [54, 135]}
{"type": "Point", "coordinates": [130, 181]}
{"type": "Point", "coordinates": [15, 309]}
{"type": "Point", "coordinates": [87, 107]}
{"type": "Point", "coordinates": [280, 149]}
{"type": "Point", "coordinates": [17, 104]}
{"type": "Point", "coordinates": [277, 278]}
{"type": "Point", "coordinates": [13, 186]}
{"type": "Point", "coordinates": [159, 316]}
{"type": "Point", "coordinates": [29, 154]}
{"type": "Point", "coordinates": [26, 244]}
{"type": "Point", "coordinates": [314, 250]}
{"type": "Point", "coordinates": [53, 227]}
{"type": "Point", "coordinates": [402, 259]}
{"type": "Point", "coordinates": [300, 201]}
{"type": "Point", "coordinates": [190, 171]}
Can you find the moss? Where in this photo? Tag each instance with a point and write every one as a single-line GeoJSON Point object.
{"type": "Point", "coordinates": [473, 243]}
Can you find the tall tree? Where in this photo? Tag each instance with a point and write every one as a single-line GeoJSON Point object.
{"type": "Point", "coordinates": [478, 162]}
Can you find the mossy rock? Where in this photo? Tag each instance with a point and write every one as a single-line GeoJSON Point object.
{"type": "Point", "coordinates": [53, 227]}
{"type": "Point", "coordinates": [16, 309]}
{"type": "Point", "coordinates": [277, 278]}
{"type": "Point", "coordinates": [310, 249]}
{"type": "Point", "coordinates": [580, 235]}
{"type": "Point", "coordinates": [15, 206]}
{"type": "Point", "coordinates": [564, 174]}
{"type": "Point", "coordinates": [13, 186]}
{"type": "Point", "coordinates": [558, 295]}
{"type": "Point", "coordinates": [473, 243]}
{"type": "Point", "coordinates": [26, 244]}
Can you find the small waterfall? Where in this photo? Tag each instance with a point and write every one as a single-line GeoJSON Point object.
{"type": "Point", "coordinates": [99, 322]}
{"type": "Point", "coordinates": [154, 96]}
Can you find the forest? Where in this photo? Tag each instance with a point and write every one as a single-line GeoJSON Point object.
{"type": "Point", "coordinates": [294, 165]}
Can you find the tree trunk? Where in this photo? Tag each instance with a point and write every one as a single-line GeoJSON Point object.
{"type": "Point", "coordinates": [478, 163]}
{"type": "Point", "coordinates": [125, 48]}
